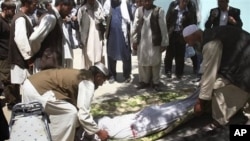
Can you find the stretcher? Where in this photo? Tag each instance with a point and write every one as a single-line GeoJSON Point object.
{"type": "Point", "coordinates": [29, 122]}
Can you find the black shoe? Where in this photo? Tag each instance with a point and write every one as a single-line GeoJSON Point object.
{"type": "Point", "coordinates": [195, 71]}
{"type": "Point", "coordinates": [169, 74]}
{"type": "Point", "coordinates": [127, 80]}
{"type": "Point", "coordinates": [111, 79]}
{"type": "Point", "coordinates": [157, 87]}
{"type": "Point", "coordinates": [178, 76]}
{"type": "Point", "coordinates": [211, 127]}
{"type": "Point", "coordinates": [196, 80]}
{"type": "Point", "coordinates": [142, 85]}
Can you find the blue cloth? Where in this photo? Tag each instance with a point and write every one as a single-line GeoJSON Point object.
{"type": "Point", "coordinates": [117, 48]}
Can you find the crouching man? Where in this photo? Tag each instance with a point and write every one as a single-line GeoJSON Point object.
{"type": "Point", "coordinates": [66, 95]}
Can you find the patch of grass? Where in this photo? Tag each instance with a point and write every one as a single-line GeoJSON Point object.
{"type": "Point", "coordinates": [132, 104]}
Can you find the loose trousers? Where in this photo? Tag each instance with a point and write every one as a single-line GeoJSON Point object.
{"type": "Point", "coordinates": [63, 115]}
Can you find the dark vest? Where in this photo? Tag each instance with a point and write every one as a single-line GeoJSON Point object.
{"type": "Point", "coordinates": [51, 48]}
{"type": "Point", "coordinates": [14, 53]}
{"type": "Point", "coordinates": [154, 25]}
{"type": "Point", "coordinates": [4, 38]}
{"type": "Point", "coordinates": [63, 82]}
{"type": "Point", "coordinates": [235, 61]}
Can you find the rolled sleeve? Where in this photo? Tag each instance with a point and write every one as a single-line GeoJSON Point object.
{"type": "Point", "coordinates": [85, 96]}
{"type": "Point", "coordinates": [212, 53]}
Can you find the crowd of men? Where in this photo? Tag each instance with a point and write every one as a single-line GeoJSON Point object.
{"type": "Point", "coordinates": [37, 39]}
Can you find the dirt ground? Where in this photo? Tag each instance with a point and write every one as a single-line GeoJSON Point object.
{"type": "Point", "coordinates": [119, 89]}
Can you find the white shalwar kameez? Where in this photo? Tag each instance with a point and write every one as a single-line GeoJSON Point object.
{"type": "Point", "coordinates": [67, 48]}
{"type": "Point", "coordinates": [92, 53]}
{"type": "Point", "coordinates": [149, 56]}
{"type": "Point", "coordinates": [93, 48]}
{"type": "Point", "coordinates": [18, 74]}
{"type": "Point", "coordinates": [64, 116]}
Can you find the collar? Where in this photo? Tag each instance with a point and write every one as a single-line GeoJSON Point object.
{"type": "Point", "coordinates": [178, 8]}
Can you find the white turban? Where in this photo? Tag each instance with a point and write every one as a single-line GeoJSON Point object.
{"type": "Point", "coordinates": [189, 30]}
{"type": "Point", "coordinates": [102, 68]}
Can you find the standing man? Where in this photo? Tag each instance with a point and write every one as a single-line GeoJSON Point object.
{"type": "Point", "coordinates": [225, 79]}
{"type": "Point", "coordinates": [66, 95]}
{"type": "Point", "coordinates": [150, 39]}
{"type": "Point", "coordinates": [91, 18]}
{"type": "Point", "coordinates": [11, 91]}
{"type": "Point", "coordinates": [20, 53]}
{"type": "Point", "coordinates": [8, 11]}
{"type": "Point", "coordinates": [224, 15]}
{"type": "Point", "coordinates": [48, 39]}
{"type": "Point", "coordinates": [118, 39]}
{"type": "Point", "coordinates": [179, 16]}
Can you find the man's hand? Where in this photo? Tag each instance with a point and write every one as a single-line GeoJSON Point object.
{"type": "Point", "coordinates": [199, 107]}
{"type": "Point", "coordinates": [231, 20]}
{"type": "Point", "coordinates": [103, 135]}
{"type": "Point", "coordinates": [134, 46]}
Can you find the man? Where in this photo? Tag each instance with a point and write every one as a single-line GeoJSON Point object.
{"type": "Point", "coordinates": [70, 26]}
{"type": "Point", "coordinates": [20, 54]}
{"type": "Point", "coordinates": [179, 15]}
{"type": "Point", "coordinates": [225, 68]}
{"type": "Point", "coordinates": [62, 92]}
{"type": "Point", "coordinates": [135, 4]}
{"type": "Point", "coordinates": [118, 39]}
{"type": "Point", "coordinates": [224, 15]}
{"type": "Point", "coordinates": [48, 38]}
{"type": "Point", "coordinates": [11, 91]}
{"type": "Point", "coordinates": [149, 43]}
{"type": "Point", "coordinates": [91, 18]}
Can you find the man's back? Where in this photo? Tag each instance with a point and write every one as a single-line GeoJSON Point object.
{"type": "Point", "coordinates": [235, 62]}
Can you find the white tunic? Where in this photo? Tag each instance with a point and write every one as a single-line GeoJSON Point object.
{"type": "Point", "coordinates": [93, 48]}
{"type": "Point", "coordinates": [18, 75]}
{"type": "Point", "coordinates": [148, 54]}
{"type": "Point", "coordinates": [64, 130]}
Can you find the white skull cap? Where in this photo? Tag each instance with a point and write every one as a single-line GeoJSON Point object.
{"type": "Point", "coordinates": [188, 30]}
{"type": "Point", "coordinates": [102, 68]}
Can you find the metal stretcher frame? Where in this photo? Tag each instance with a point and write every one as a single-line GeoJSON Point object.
{"type": "Point", "coordinates": [22, 110]}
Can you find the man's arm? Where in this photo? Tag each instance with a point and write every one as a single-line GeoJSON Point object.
{"type": "Point", "coordinates": [84, 98]}
{"type": "Point", "coordinates": [234, 17]}
{"type": "Point", "coordinates": [210, 20]}
{"type": "Point", "coordinates": [163, 27]}
{"type": "Point", "coordinates": [135, 28]}
{"type": "Point", "coordinates": [46, 25]}
{"type": "Point", "coordinates": [21, 38]}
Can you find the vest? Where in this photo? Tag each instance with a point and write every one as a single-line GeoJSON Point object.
{"type": "Point", "coordinates": [52, 46]}
{"type": "Point", "coordinates": [15, 56]}
{"type": "Point", "coordinates": [235, 61]}
{"type": "Point", "coordinates": [4, 38]}
{"type": "Point", "coordinates": [154, 25]}
{"type": "Point", "coordinates": [63, 82]}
